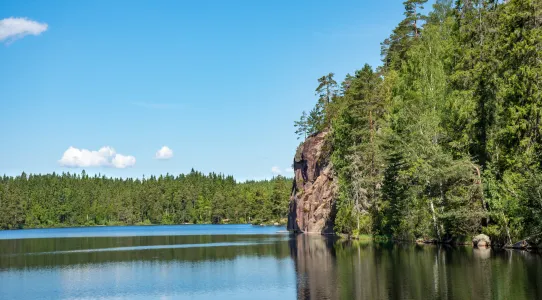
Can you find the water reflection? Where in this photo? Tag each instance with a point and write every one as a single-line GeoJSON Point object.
{"type": "Point", "coordinates": [60, 252]}
{"type": "Point", "coordinates": [259, 266]}
{"type": "Point", "coordinates": [328, 269]}
{"type": "Point", "coordinates": [148, 267]}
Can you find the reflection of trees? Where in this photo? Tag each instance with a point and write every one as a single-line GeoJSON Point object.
{"type": "Point", "coordinates": [353, 270]}
{"type": "Point", "coordinates": [325, 268]}
{"type": "Point", "coordinates": [39, 253]}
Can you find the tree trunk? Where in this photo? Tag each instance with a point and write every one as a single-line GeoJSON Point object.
{"type": "Point", "coordinates": [434, 219]}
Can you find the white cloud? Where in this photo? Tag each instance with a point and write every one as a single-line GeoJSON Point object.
{"type": "Point", "coordinates": [276, 170]}
{"type": "Point", "coordinates": [120, 161]}
{"type": "Point", "coordinates": [164, 153]}
{"type": "Point", "coordinates": [289, 170]}
{"type": "Point", "coordinates": [105, 157]}
{"type": "Point", "coordinates": [16, 28]}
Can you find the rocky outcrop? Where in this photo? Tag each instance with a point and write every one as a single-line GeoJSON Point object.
{"type": "Point", "coordinates": [312, 202]}
{"type": "Point", "coordinates": [481, 240]}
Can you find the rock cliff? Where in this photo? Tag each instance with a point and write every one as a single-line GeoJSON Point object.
{"type": "Point", "coordinates": [312, 202]}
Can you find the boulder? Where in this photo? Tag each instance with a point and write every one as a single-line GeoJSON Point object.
{"type": "Point", "coordinates": [481, 241]}
{"type": "Point", "coordinates": [519, 245]}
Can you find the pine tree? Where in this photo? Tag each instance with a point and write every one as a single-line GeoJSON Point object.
{"type": "Point", "coordinates": [301, 126]}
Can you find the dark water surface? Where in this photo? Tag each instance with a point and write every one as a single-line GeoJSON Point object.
{"type": "Point", "coordinates": [250, 262]}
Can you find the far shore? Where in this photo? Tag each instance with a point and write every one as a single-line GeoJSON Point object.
{"type": "Point", "coordinates": [138, 225]}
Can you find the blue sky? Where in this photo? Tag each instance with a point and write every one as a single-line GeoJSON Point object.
{"type": "Point", "coordinates": [217, 82]}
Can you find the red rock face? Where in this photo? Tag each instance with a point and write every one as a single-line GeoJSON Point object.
{"type": "Point", "coordinates": [314, 189]}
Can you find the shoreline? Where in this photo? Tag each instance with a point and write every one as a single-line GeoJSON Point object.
{"type": "Point", "coordinates": [133, 225]}
{"type": "Point", "coordinates": [385, 239]}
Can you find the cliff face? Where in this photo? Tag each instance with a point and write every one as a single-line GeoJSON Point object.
{"type": "Point", "coordinates": [312, 202]}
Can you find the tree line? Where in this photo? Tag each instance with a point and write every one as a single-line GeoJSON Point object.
{"type": "Point", "coordinates": [53, 200]}
{"type": "Point", "coordinates": [444, 139]}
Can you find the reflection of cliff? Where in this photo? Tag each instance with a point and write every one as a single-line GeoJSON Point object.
{"type": "Point", "coordinates": [315, 267]}
{"type": "Point", "coordinates": [336, 269]}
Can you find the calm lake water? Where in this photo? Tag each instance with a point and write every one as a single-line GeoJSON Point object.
{"type": "Point", "coordinates": [250, 262]}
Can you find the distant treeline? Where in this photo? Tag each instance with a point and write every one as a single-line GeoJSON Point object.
{"type": "Point", "coordinates": [444, 140]}
{"type": "Point", "coordinates": [53, 200]}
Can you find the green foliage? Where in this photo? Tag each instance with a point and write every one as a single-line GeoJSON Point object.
{"type": "Point", "coordinates": [444, 140]}
{"type": "Point", "coordinates": [79, 200]}
{"type": "Point", "coordinates": [321, 114]}
{"type": "Point", "coordinates": [301, 126]}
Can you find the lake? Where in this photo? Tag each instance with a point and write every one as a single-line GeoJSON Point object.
{"type": "Point", "coordinates": [250, 262]}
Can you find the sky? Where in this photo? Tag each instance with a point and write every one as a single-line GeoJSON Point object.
{"type": "Point", "coordinates": [140, 88]}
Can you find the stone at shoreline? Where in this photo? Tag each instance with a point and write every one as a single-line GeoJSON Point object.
{"type": "Point", "coordinates": [481, 240]}
{"type": "Point", "coordinates": [519, 245]}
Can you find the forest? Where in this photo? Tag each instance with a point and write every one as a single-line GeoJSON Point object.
{"type": "Point", "coordinates": [444, 139]}
{"type": "Point", "coordinates": [61, 200]}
